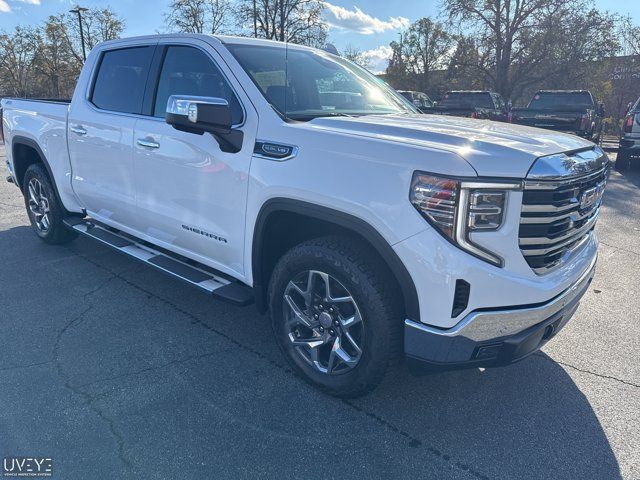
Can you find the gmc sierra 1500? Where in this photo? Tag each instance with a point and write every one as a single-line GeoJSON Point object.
{"type": "Point", "coordinates": [289, 177]}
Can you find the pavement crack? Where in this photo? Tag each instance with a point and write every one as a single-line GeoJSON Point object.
{"type": "Point", "coordinates": [590, 372]}
{"type": "Point", "coordinates": [620, 248]}
{"type": "Point", "coordinates": [195, 320]}
{"type": "Point", "coordinates": [148, 369]}
{"type": "Point", "coordinates": [20, 367]}
{"type": "Point", "coordinates": [90, 400]}
{"type": "Point", "coordinates": [98, 288]}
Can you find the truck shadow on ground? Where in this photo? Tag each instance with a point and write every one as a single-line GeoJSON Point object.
{"type": "Point", "coordinates": [155, 355]}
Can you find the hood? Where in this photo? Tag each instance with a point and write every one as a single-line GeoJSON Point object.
{"type": "Point", "coordinates": [493, 149]}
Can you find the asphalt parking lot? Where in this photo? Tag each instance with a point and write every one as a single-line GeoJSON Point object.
{"type": "Point", "coordinates": [116, 371]}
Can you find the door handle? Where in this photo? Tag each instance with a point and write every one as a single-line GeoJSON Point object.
{"type": "Point", "coordinates": [148, 143]}
{"type": "Point", "coordinates": [78, 130]}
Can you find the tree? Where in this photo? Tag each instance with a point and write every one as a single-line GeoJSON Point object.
{"type": "Point", "coordinates": [199, 16]}
{"type": "Point", "coordinates": [357, 56]}
{"type": "Point", "coordinates": [45, 61]}
{"type": "Point", "coordinates": [99, 25]}
{"type": "Point", "coordinates": [463, 72]}
{"type": "Point", "coordinates": [424, 48]}
{"type": "Point", "coordinates": [630, 35]}
{"type": "Point", "coordinates": [523, 42]}
{"type": "Point", "coordinates": [17, 61]}
{"type": "Point", "coordinates": [296, 21]}
{"type": "Point", "coordinates": [54, 60]}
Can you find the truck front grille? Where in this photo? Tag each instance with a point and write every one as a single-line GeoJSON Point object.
{"type": "Point", "coordinates": [557, 218]}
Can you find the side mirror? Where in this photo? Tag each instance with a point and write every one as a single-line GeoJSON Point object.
{"type": "Point", "coordinates": [204, 114]}
{"type": "Point", "coordinates": [629, 105]}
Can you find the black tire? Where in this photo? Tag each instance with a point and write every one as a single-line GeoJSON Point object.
{"type": "Point", "coordinates": [367, 281]}
{"type": "Point", "coordinates": [623, 161]}
{"type": "Point", "coordinates": [55, 233]}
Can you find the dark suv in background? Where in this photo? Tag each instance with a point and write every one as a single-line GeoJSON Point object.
{"type": "Point", "coordinates": [629, 139]}
{"type": "Point", "coordinates": [473, 103]}
{"type": "Point", "coordinates": [571, 111]}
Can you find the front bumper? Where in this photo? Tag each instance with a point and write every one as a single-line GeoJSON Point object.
{"type": "Point", "coordinates": [489, 338]}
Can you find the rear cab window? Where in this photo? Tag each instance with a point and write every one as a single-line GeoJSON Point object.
{"type": "Point", "coordinates": [561, 100]}
{"type": "Point", "coordinates": [467, 100]}
{"type": "Point", "coordinates": [120, 81]}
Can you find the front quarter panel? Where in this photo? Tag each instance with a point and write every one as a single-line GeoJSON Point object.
{"type": "Point", "coordinates": [363, 177]}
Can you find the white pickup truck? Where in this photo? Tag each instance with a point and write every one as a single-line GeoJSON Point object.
{"type": "Point", "coordinates": [290, 178]}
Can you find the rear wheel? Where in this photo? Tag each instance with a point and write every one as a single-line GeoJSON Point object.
{"type": "Point", "coordinates": [45, 212]}
{"type": "Point", "coordinates": [336, 315]}
{"type": "Point", "coordinates": [623, 161]}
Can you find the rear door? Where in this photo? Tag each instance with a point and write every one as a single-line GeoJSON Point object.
{"type": "Point", "coordinates": [191, 196]}
{"type": "Point", "coordinates": [101, 134]}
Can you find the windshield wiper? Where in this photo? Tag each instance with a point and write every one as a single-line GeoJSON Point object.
{"type": "Point", "coordinates": [311, 116]}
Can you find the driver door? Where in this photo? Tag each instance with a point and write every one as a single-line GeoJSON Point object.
{"type": "Point", "coordinates": [191, 196]}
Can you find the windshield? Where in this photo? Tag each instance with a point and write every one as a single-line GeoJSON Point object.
{"type": "Point", "coordinates": [466, 100]}
{"type": "Point", "coordinates": [559, 100]}
{"type": "Point", "coordinates": [306, 84]}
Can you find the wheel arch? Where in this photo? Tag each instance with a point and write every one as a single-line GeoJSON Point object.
{"type": "Point", "coordinates": [26, 152]}
{"type": "Point", "coordinates": [279, 212]}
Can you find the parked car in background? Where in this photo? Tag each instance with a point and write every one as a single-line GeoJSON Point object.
{"type": "Point", "coordinates": [629, 148]}
{"type": "Point", "coordinates": [419, 100]}
{"type": "Point", "coordinates": [473, 103]}
{"type": "Point", "coordinates": [569, 111]}
{"type": "Point", "coordinates": [365, 230]}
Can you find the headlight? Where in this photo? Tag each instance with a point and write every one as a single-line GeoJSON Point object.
{"type": "Point", "coordinates": [457, 207]}
{"type": "Point", "coordinates": [437, 200]}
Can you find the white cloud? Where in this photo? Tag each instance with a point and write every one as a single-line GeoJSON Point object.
{"type": "Point", "coordinates": [357, 21]}
{"type": "Point", "coordinates": [6, 8]}
{"type": "Point", "coordinates": [378, 58]}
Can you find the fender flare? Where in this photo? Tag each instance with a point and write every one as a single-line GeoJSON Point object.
{"type": "Point", "coordinates": [341, 219]}
{"type": "Point", "coordinates": [29, 142]}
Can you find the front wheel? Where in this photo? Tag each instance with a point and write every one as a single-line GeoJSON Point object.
{"type": "Point", "coordinates": [44, 210]}
{"type": "Point", "coordinates": [335, 314]}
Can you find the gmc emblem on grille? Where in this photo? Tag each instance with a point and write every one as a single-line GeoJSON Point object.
{"type": "Point", "coordinates": [591, 197]}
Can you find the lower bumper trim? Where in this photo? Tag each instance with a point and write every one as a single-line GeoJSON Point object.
{"type": "Point", "coordinates": [494, 337]}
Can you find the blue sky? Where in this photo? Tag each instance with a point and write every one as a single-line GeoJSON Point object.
{"type": "Point", "coordinates": [367, 24]}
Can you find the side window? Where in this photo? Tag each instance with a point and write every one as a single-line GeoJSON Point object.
{"type": "Point", "coordinates": [189, 71]}
{"type": "Point", "coordinates": [121, 79]}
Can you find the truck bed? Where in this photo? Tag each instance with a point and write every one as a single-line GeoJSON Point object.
{"type": "Point", "coordinates": [40, 124]}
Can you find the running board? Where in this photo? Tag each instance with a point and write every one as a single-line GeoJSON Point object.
{"type": "Point", "coordinates": [218, 286]}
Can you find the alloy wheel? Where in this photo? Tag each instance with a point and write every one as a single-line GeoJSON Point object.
{"type": "Point", "coordinates": [39, 205]}
{"type": "Point", "coordinates": [323, 322]}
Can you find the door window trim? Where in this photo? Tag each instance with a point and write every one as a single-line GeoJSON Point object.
{"type": "Point", "coordinates": [163, 48]}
